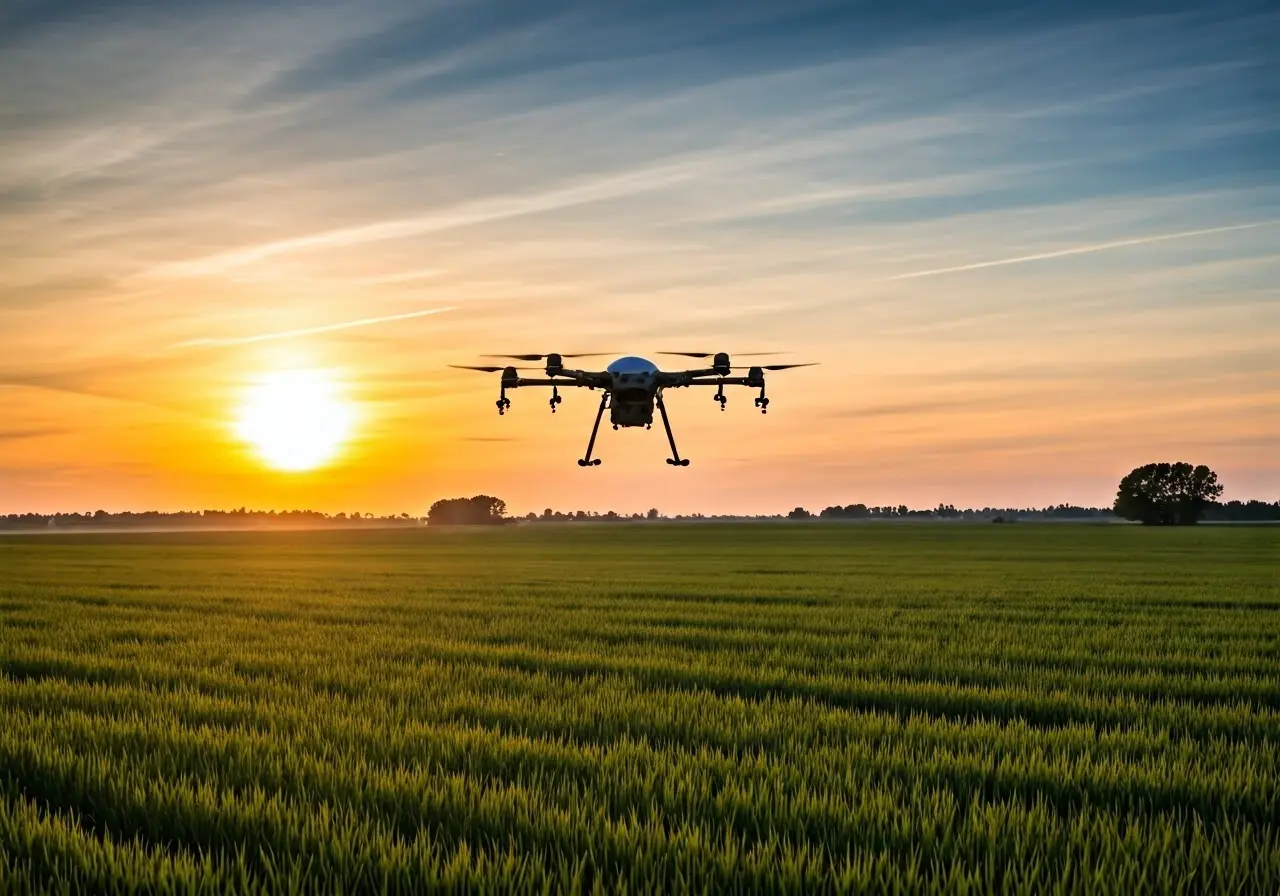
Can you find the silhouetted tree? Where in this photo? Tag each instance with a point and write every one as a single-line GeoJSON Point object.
{"type": "Point", "coordinates": [1167, 494]}
{"type": "Point", "coordinates": [478, 511]}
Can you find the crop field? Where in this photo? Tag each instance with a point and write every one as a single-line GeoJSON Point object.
{"type": "Point", "coordinates": [643, 708]}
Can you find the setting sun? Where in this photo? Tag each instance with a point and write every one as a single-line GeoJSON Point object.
{"type": "Point", "coordinates": [296, 420]}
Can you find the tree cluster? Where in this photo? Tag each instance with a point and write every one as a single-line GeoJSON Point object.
{"type": "Point", "coordinates": [482, 510]}
{"type": "Point", "coordinates": [1167, 494]}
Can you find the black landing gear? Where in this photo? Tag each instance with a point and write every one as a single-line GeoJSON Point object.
{"type": "Point", "coordinates": [555, 398]}
{"type": "Point", "coordinates": [720, 396]}
{"type": "Point", "coordinates": [591, 444]}
{"type": "Point", "coordinates": [675, 460]}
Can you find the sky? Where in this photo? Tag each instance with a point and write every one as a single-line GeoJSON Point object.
{"type": "Point", "coordinates": [1030, 246]}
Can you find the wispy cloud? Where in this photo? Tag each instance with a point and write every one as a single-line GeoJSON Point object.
{"type": "Point", "coordinates": [13, 435]}
{"type": "Point", "coordinates": [1084, 250]}
{"type": "Point", "coordinates": [669, 173]}
{"type": "Point", "coordinates": [307, 331]}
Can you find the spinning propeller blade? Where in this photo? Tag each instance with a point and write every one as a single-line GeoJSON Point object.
{"type": "Point", "coordinates": [778, 366]}
{"type": "Point", "coordinates": [713, 354]}
{"type": "Point", "coordinates": [534, 357]}
{"type": "Point", "coordinates": [490, 368]}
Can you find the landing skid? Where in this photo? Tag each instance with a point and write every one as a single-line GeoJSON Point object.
{"type": "Point", "coordinates": [675, 459]}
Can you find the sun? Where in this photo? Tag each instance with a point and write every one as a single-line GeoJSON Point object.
{"type": "Point", "coordinates": [296, 420]}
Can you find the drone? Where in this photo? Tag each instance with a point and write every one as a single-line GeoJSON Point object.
{"type": "Point", "coordinates": [632, 387]}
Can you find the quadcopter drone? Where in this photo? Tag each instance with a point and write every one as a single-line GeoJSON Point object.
{"type": "Point", "coordinates": [632, 387]}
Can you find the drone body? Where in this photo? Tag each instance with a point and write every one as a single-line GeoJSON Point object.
{"type": "Point", "coordinates": [632, 388]}
{"type": "Point", "coordinates": [633, 391]}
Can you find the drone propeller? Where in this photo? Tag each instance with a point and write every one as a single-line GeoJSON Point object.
{"type": "Point", "coordinates": [781, 366]}
{"type": "Point", "coordinates": [489, 368]}
{"type": "Point", "coordinates": [713, 354]}
{"type": "Point", "coordinates": [534, 357]}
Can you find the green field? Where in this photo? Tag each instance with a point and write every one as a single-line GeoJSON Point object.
{"type": "Point", "coordinates": [632, 708]}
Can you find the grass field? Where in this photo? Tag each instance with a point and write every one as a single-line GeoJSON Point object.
{"type": "Point", "coordinates": [802, 708]}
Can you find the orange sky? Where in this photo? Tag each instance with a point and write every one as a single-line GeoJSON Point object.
{"type": "Point", "coordinates": [1002, 318]}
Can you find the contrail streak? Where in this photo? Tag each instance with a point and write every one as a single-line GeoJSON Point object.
{"type": "Point", "coordinates": [327, 328]}
{"type": "Point", "coordinates": [1082, 250]}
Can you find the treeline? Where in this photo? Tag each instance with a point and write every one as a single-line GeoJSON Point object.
{"type": "Point", "coordinates": [835, 512]}
{"type": "Point", "coordinates": [487, 510]}
{"type": "Point", "coordinates": [951, 512]}
{"type": "Point", "coordinates": [1227, 512]}
{"type": "Point", "coordinates": [1243, 512]}
{"type": "Point", "coordinates": [580, 516]}
{"type": "Point", "coordinates": [203, 519]}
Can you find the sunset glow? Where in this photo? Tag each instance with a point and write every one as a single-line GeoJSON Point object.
{"type": "Point", "coordinates": [296, 420]}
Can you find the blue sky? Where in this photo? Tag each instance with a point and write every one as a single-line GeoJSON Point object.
{"type": "Point", "coordinates": [1033, 245]}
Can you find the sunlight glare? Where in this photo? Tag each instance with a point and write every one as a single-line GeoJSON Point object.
{"type": "Point", "coordinates": [296, 420]}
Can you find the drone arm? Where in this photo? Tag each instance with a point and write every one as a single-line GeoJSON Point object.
{"type": "Point", "coordinates": [722, 381]}
{"type": "Point", "coordinates": [751, 382]}
{"type": "Point", "coordinates": [571, 378]}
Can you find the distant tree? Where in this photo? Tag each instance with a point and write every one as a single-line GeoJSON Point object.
{"type": "Point", "coordinates": [653, 513]}
{"type": "Point", "coordinates": [478, 511]}
{"type": "Point", "coordinates": [799, 514]}
{"type": "Point", "coordinates": [1167, 494]}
